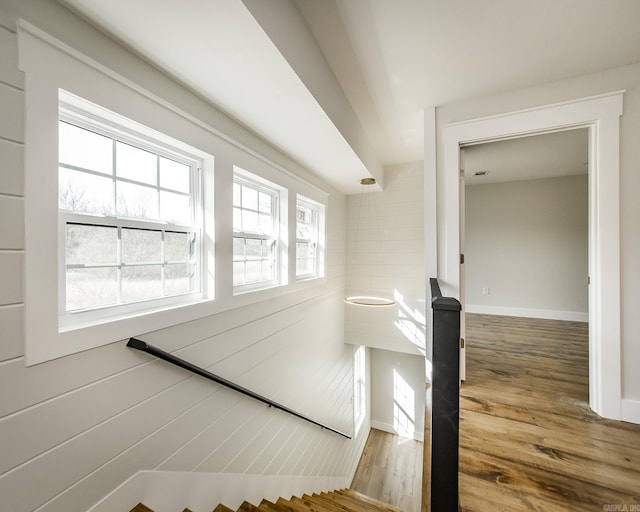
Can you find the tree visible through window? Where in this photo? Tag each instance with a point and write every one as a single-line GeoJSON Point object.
{"type": "Point", "coordinates": [129, 220]}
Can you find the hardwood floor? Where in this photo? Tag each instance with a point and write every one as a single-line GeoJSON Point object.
{"type": "Point", "coordinates": [528, 440]}
{"type": "Point", "coordinates": [390, 470]}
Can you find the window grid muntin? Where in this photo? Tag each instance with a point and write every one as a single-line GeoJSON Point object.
{"type": "Point", "coordinates": [194, 227]}
{"type": "Point", "coordinates": [271, 239]}
{"type": "Point", "coordinates": [159, 152]}
{"type": "Point", "coordinates": [310, 242]}
{"type": "Point", "coordinates": [119, 265]}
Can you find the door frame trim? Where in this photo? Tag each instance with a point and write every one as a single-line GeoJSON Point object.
{"type": "Point", "coordinates": [601, 114]}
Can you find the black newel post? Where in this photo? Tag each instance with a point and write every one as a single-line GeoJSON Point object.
{"type": "Point", "coordinates": [445, 388]}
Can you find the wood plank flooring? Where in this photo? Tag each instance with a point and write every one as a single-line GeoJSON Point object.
{"type": "Point", "coordinates": [390, 470]}
{"type": "Point", "coordinates": [528, 440]}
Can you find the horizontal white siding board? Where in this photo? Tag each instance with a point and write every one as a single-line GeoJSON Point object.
{"type": "Point", "coordinates": [30, 432]}
{"type": "Point", "coordinates": [9, 59]}
{"type": "Point", "coordinates": [279, 443]}
{"type": "Point", "coordinates": [11, 270]}
{"type": "Point", "coordinates": [90, 450]}
{"type": "Point", "coordinates": [11, 222]}
{"type": "Point", "coordinates": [45, 381]}
{"type": "Point", "coordinates": [11, 168]}
{"type": "Point", "coordinates": [12, 329]}
{"type": "Point", "coordinates": [12, 108]}
{"type": "Point", "coordinates": [226, 451]}
{"type": "Point", "coordinates": [191, 454]}
{"type": "Point", "coordinates": [245, 456]}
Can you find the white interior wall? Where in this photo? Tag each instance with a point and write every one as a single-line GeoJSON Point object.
{"type": "Point", "coordinates": [526, 244]}
{"type": "Point", "coordinates": [75, 428]}
{"type": "Point", "coordinates": [625, 78]}
{"type": "Point", "coordinates": [385, 257]}
{"type": "Point", "coordinates": [398, 393]}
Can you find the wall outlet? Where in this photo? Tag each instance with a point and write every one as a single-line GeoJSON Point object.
{"type": "Point", "coordinates": [486, 290]}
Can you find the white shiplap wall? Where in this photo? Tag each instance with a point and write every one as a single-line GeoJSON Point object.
{"type": "Point", "coordinates": [385, 257]}
{"type": "Point", "coordinates": [74, 428]}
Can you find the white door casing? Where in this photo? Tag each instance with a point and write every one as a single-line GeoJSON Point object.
{"type": "Point", "coordinates": [601, 115]}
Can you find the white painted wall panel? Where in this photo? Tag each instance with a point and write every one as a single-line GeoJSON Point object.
{"type": "Point", "coordinates": [11, 106]}
{"type": "Point", "coordinates": [11, 168]}
{"type": "Point", "coordinates": [81, 425]}
{"type": "Point", "coordinates": [11, 222]}
{"type": "Point", "coordinates": [9, 73]}
{"type": "Point", "coordinates": [11, 265]}
{"type": "Point", "coordinates": [12, 329]}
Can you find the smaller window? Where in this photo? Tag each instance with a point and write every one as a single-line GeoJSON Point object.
{"type": "Point", "coordinates": [307, 238]}
{"type": "Point", "coordinates": [255, 234]}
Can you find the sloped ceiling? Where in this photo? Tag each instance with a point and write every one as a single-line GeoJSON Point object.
{"type": "Point", "coordinates": [341, 85]}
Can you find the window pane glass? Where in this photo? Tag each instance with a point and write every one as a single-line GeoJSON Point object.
{"type": "Point", "coordinates": [137, 201]}
{"type": "Point", "coordinates": [238, 273]}
{"type": "Point", "coordinates": [139, 283]}
{"type": "Point", "coordinates": [249, 198]}
{"type": "Point", "coordinates": [265, 224]}
{"type": "Point", "coordinates": [177, 279]}
{"type": "Point", "coordinates": [136, 164]}
{"type": "Point", "coordinates": [177, 246]}
{"type": "Point", "coordinates": [253, 272]}
{"type": "Point", "coordinates": [87, 193]}
{"type": "Point", "coordinates": [250, 222]}
{"type": "Point", "coordinates": [265, 202]}
{"type": "Point", "coordinates": [91, 245]}
{"type": "Point", "coordinates": [237, 220]}
{"type": "Point", "coordinates": [267, 270]}
{"type": "Point", "coordinates": [175, 175]}
{"type": "Point", "coordinates": [91, 287]}
{"type": "Point", "coordinates": [238, 249]}
{"type": "Point", "coordinates": [175, 208]}
{"type": "Point", "coordinates": [141, 246]}
{"type": "Point", "coordinates": [237, 197]}
{"type": "Point", "coordinates": [254, 249]}
{"type": "Point", "coordinates": [82, 148]}
{"type": "Point", "coordinates": [269, 249]}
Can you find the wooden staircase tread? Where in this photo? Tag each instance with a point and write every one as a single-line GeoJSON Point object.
{"type": "Point", "coordinates": [333, 503]}
{"type": "Point", "coordinates": [268, 506]}
{"type": "Point", "coordinates": [290, 506]}
{"type": "Point", "coordinates": [318, 505]}
{"type": "Point", "coordinates": [369, 500]}
{"type": "Point", "coordinates": [247, 507]}
{"type": "Point", "coordinates": [141, 508]}
{"type": "Point", "coordinates": [222, 508]}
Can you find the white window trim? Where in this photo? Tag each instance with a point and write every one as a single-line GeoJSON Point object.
{"type": "Point", "coordinates": [83, 114]}
{"type": "Point", "coordinates": [241, 175]}
{"type": "Point", "coordinates": [50, 65]}
{"type": "Point", "coordinates": [319, 238]}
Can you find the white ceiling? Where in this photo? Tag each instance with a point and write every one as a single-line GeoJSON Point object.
{"type": "Point", "coordinates": [549, 155]}
{"type": "Point", "coordinates": [391, 60]}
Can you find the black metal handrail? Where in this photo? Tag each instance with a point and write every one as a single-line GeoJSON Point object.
{"type": "Point", "coordinates": [445, 393]}
{"type": "Point", "coordinates": [170, 358]}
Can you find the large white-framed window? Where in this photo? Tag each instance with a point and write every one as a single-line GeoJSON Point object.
{"type": "Point", "coordinates": [256, 232]}
{"type": "Point", "coordinates": [309, 250]}
{"type": "Point", "coordinates": [130, 218]}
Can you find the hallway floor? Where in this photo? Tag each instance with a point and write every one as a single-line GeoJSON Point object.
{"type": "Point", "coordinates": [528, 440]}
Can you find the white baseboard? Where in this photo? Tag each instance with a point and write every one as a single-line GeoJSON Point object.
{"type": "Point", "coordinates": [168, 491]}
{"type": "Point", "coordinates": [547, 314]}
{"type": "Point", "coordinates": [631, 410]}
{"type": "Point", "coordinates": [386, 427]}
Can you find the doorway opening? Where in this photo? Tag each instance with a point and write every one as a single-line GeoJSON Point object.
{"type": "Point", "coordinates": [600, 115]}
